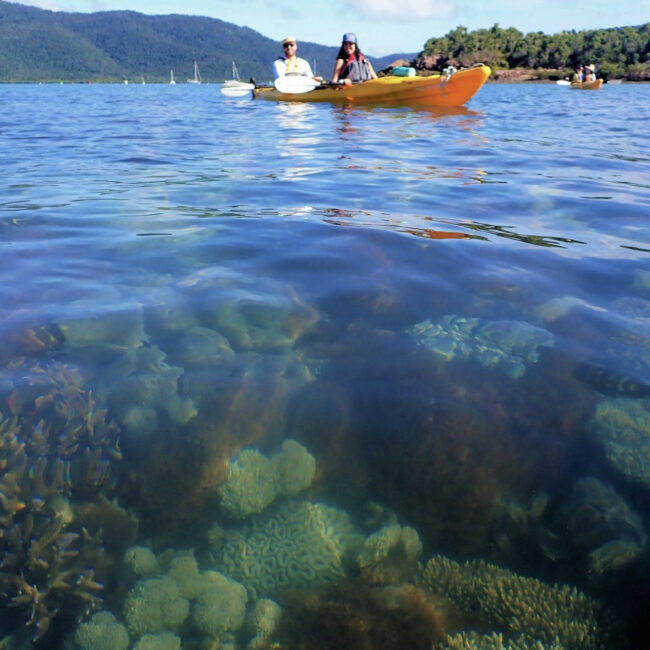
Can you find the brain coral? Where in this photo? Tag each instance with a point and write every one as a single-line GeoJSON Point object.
{"type": "Point", "coordinates": [101, 632]}
{"type": "Point", "coordinates": [622, 425]}
{"type": "Point", "coordinates": [155, 605]}
{"type": "Point", "coordinates": [254, 480]}
{"type": "Point", "coordinates": [297, 544]}
{"type": "Point", "coordinates": [527, 609]}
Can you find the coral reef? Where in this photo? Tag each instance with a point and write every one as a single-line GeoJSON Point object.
{"type": "Point", "coordinates": [390, 555]}
{"type": "Point", "coordinates": [601, 524]}
{"type": "Point", "coordinates": [155, 605]}
{"type": "Point", "coordinates": [622, 426]}
{"type": "Point", "coordinates": [140, 562]}
{"type": "Point", "coordinates": [101, 632]}
{"type": "Point", "coordinates": [353, 615]}
{"type": "Point", "coordinates": [141, 388]}
{"type": "Point", "coordinates": [296, 544]}
{"type": "Point", "coordinates": [161, 641]}
{"type": "Point", "coordinates": [493, 641]}
{"type": "Point", "coordinates": [254, 481]}
{"type": "Point", "coordinates": [221, 607]}
{"type": "Point", "coordinates": [262, 621]}
{"type": "Point", "coordinates": [55, 447]}
{"type": "Point", "coordinates": [526, 609]}
{"type": "Point", "coordinates": [508, 345]}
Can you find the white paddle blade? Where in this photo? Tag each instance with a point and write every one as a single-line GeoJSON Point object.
{"type": "Point", "coordinates": [294, 85]}
{"type": "Point", "coordinates": [237, 91]}
{"type": "Point", "coordinates": [563, 82]}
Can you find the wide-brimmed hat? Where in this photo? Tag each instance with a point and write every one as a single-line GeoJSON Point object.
{"type": "Point", "coordinates": [592, 67]}
{"type": "Point", "coordinates": [349, 38]}
{"type": "Point", "coordinates": [288, 39]}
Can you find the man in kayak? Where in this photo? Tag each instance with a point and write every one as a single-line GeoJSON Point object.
{"type": "Point", "coordinates": [290, 63]}
{"type": "Point", "coordinates": [351, 65]}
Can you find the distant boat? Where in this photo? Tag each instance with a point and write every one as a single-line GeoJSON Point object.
{"type": "Point", "coordinates": [197, 75]}
{"type": "Point", "coordinates": [235, 87]}
{"type": "Point", "coordinates": [171, 77]}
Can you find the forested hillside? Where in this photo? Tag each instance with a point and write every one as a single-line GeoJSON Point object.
{"type": "Point", "coordinates": [40, 45]}
{"type": "Point", "coordinates": [618, 52]}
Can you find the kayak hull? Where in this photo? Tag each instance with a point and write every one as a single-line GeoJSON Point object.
{"type": "Point", "coordinates": [587, 85]}
{"type": "Point", "coordinates": [435, 90]}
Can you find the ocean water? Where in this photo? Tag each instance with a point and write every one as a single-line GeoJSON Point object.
{"type": "Point", "coordinates": [448, 309]}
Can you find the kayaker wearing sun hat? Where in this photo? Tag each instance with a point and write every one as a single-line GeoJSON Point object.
{"type": "Point", "coordinates": [290, 63]}
{"type": "Point", "coordinates": [351, 65]}
{"type": "Point", "coordinates": [590, 72]}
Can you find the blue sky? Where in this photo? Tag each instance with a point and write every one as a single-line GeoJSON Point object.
{"type": "Point", "coordinates": [383, 26]}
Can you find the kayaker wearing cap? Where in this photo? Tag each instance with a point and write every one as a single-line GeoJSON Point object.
{"type": "Point", "coordinates": [590, 72]}
{"type": "Point", "coordinates": [351, 65]}
{"type": "Point", "coordinates": [290, 63]}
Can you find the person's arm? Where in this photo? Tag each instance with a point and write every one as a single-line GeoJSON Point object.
{"type": "Point", "coordinates": [337, 71]}
{"type": "Point", "coordinates": [373, 74]}
{"type": "Point", "coordinates": [279, 68]}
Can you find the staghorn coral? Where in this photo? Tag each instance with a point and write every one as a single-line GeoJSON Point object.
{"type": "Point", "coordinates": [57, 445]}
{"type": "Point", "coordinates": [493, 641]}
{"type": "Point", "coordinates": [527, 609]}
{"type": "Point", "coordinates": [296, 545]}
{"type": "Point", "coordinates": [254, 481]}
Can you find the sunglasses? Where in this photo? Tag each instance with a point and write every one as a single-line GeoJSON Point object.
{"type": "Point", "coordinates": [288, 45]}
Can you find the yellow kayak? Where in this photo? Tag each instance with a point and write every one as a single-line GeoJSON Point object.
{"type": "Point", "coordinates": [436, 90]}
{"type": "Point", "coordinates": [587, 85]}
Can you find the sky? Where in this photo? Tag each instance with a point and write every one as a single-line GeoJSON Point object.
{"type": "Point", "coordinates": [383, 26]}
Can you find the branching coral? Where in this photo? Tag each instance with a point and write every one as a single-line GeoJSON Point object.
{"type": "Point", "coordinates": [529, 610]}
{"type": "Point", "coordinates": [55, 446]}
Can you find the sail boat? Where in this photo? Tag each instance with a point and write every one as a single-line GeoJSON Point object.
{"type": "Point", "coordinates": [197, 76]}
{"type": "Point", "coordinates": [171, 77]}
{"type": "Point", "coordinates": [235, 87]}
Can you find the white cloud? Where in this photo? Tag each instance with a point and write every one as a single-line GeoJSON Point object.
{"type": "Point", "coordinates": [403, 10]}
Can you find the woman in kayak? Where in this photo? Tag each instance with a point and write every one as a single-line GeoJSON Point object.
{"type": "Point", "coordinates": [351, 65]}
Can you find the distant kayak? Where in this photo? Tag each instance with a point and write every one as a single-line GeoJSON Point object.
{"type": "Point", "coordinates": [587, 85]}
{"type": "Point", "coordinates": [435, 90]}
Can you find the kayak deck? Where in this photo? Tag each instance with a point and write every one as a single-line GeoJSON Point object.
{"type": "Point", "coordinates": [587, 85]}
{"type": "Point", "coordinates": [435, 90]}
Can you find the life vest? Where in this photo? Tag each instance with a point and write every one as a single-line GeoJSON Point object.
{"type": "Point", "coordinates": [291, 66]}
{"type": "Point", "coordinates": [356, 70]}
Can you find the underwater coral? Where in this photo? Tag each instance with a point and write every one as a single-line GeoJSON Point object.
{"type": "Point", "coordinates": [57, 449]}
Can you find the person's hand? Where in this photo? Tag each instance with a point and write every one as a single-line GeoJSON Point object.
{"type": "Point", "coordinates": [346, 82]}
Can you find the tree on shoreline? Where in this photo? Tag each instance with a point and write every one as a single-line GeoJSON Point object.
{"type": "Point", "coordinates": [619, 51]}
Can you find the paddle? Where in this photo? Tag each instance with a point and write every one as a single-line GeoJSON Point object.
{"type": "Point", "coordinates": [295, 84]}
{"type": "Point", "coordinates": [237, 89]}
{"type": "Point", "coordinates": [563, 82]}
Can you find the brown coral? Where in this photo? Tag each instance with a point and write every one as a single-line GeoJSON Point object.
{"type": "Point", "coordinates": [352, 615]}
{"type": "Point", "coordinates": [55, 446]}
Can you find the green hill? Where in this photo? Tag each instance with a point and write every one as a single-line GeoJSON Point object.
{"type": "Point", "coordinates": [41, 45]}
